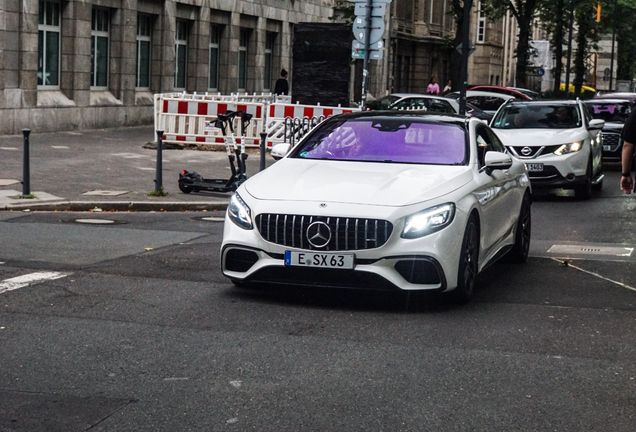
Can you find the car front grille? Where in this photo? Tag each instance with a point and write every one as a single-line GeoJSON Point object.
{"type": "Point", "coordinates": [611, 139]}
{"type": "Point", "coordinates": [344, 234]}
{"type": "Point", "coordinates": [534, 151]}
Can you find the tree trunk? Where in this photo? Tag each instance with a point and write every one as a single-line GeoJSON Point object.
{"type": "Point", "coordinates": [557, 41]}
{"type": "Point", "coordinates": [522, 55]}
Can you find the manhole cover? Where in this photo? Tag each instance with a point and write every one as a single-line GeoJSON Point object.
{"type": "Point", "coordinates": [95, 221]}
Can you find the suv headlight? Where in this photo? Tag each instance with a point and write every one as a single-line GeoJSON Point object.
{"type": "Point", "coordinates": [569, 148]}
{"type": "Point", "coordinates": [428, 221]}
{"type": "Point", "coordinates": [239, 212]}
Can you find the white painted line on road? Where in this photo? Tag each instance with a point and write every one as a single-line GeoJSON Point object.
{"type": "Point", "coordinates": [146, 169]}
{"type": "Point", "coordinates": [28, 279]}
{"type": "Point", "coordinates": [569, 264]}
{"type": "Point", "coordinates": [59, 147]}
{"type": "Point", "coordinates": [591, 250]}
{"type": "Point", "coordinates": [130, 155]}
{"type": "Point", "coordinates": [95, 221]}
{"type": "Point", "coordinates": [8, 148]}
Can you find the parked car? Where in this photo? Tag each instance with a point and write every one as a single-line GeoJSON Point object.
{"type": "Point", "coordinates": [519, 95]}
{"type": "Point", "coordinates": [584, 89]}
{"type": "Point", "coordinates": [381, 200]}
{"type": "Point", "coordinates": [617, 95]}
{"type": "Point", "coordinates": [438, 104]}
{"type": "Point", "coordinates": [615, 113]}
{"type": "Point", "coordinates": [385, 102]}
{"type": "Point", "coordinates": [533, 95]}
{"type": "Point", "coordinates": [558, 140]}
{"type": "Point", "coordinates": [486, 101]}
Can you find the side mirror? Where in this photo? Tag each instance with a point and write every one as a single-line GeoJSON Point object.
{"type": "Point", "coordinates": [596, 124]}
{"type": "Point", "coordinates": [280, 150]}
{"type": "Point", "coordinates": [496, 160]}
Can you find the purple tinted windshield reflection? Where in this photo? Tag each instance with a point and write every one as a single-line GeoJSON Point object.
{"type": "Point", "coordinates": [373, 141]}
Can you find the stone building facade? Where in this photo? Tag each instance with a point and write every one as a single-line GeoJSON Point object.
{"type": "Point", "coordinates": [70, 64]}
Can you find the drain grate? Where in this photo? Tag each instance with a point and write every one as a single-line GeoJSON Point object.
{"type": "Point", "coordinates": [591, 250]}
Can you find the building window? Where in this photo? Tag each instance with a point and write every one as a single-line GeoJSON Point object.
{"type": "Point", "coordinates": [242, 75]}
{"type": "Point", "coordinates": [49, 44]}
{"type": "Point", "coordinates": [99, 48]}
{"type": "Point", "coordinates": [270, 40]}
{"type": "Point", "coordinates": [181, 54]}
{"type": "Point", "coordinates": [215, 40]}
{"type": "Point", "coordinates": [144, 35]}
{"type": "Point", "coordinates": [481, 25]}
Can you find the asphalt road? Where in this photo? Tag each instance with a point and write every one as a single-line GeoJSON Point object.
{"type": "Point", "coordinates": [141, 332]}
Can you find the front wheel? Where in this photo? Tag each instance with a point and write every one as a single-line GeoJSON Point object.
{"type": "Point", "coordinates": [467, 264]}
{"type": "Point", "coordinates": [584, 192]}
{"type": "Point", "coordinates": [519, 251]}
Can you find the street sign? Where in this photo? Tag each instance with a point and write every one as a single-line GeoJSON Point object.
{"type": "Point", "coordinates": [471, 48]}
{"type": "Point", "coordinates": [540, 71]}
{"type": "Point", "coordinates": [373, 54]}
{"type": "Point", "coordinates": [376, 28]}
{"type": "Point", "coordinates": [355, 45]}
{"type": "Point", "coordinates": [377, 9]}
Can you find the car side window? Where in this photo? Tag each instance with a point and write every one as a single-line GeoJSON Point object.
{"type": "Point", "coordinates": [475, 100]}
{"type": "Point", "coordinates": [497, 145]}
{"type": "Point", "coordinates": [484, 144]}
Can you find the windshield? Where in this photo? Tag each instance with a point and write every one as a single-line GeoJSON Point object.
{"type": "Point", "coordinates": [610, 111]}
{"type": "Point", "coordinates": [531, 116]}
{"type": "Point", "coordinates": [386, 139]}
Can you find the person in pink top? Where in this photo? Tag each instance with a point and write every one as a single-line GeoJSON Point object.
{"type": "Point", "coordinates": [432, 88]}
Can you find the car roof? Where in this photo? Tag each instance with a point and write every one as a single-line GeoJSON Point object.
{"type": "Point", "coordinates": [608, 100]}
{"type": "Point", "coordinates": [455, 119]}
{"type": "Point", "coordinates": [486, 93]}
{"type": "Point", "coordinates": [500, 90]}
{"type": "Point", "coordinates": [617, 95]}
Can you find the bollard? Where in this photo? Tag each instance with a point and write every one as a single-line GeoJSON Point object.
{"type": "Point", "coordinates": [159, 176]}
{"type": "Point", "coordinates": [26, 170]}
{"type": "Point", "coordinates": [263, 149]}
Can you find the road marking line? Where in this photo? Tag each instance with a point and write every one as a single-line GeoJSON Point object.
{"type": "Point", "coordinates": [28, 279]}
{"type": "Point", "coordinates": [569, 264]}
{"type": "Point", "coordinates": [591, 250]}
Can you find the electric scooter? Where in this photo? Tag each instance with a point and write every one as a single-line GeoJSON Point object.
{"type": "Point", "coordinates": [193, 182]}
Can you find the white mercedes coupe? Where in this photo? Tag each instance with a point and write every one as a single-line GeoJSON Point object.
{"type": "Point", "coordinates": [381, 200]}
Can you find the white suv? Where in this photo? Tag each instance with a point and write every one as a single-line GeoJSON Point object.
{"type": "Point", "coordinates": [559, 142]}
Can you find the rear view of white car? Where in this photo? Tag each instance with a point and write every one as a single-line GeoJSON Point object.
{"type": "Point", "coordinates": [559, 142]}
{"type": "Point", "coordinates": [381, 200]}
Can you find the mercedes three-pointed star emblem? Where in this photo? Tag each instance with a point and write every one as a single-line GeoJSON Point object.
{"type": "Point", "coordinates": [318, 234]}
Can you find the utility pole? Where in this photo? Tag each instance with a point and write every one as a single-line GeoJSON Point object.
{"type": "Point", "coordinates": [567, 68]}
{"type": "Point", "coordinates": [463, 77]}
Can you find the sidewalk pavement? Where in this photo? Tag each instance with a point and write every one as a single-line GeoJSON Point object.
{"type": "Point", "coordinates": [108, 169]}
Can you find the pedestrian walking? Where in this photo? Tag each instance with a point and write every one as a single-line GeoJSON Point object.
{"type": "Point", "coordinates": [282, 86]}
{"type": "Point", "coordinates": [627, 160]}
{"type": "Point", "coordinates": [447, 88]}
{"type": "Point", "coordinates": [433, 88]}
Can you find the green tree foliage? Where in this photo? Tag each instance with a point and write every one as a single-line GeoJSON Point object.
{"type": "Point", "coordinates": [524, 12]}
{"type": "Point", "coordinates": [625, 35]}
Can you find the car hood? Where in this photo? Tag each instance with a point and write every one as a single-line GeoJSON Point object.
{"type": "Point", "coordinates": [540, 137]}
{"type": "Point", "coordinates": [383, 184]}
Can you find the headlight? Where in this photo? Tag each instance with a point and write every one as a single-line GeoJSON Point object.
{"type": "Point", "coordinates": [239, 212]}
{"type": "Point", "coordinates": [428, 221]}
{"type": "Point", "coordinates": [569, 148]}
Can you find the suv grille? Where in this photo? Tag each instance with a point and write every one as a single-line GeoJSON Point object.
{"type": "Point", "coordinates": [344, 233]}
{"type": "Point", "coordinates": [534, 151]}
{"type": "Point", "coordinates": [611, 139]}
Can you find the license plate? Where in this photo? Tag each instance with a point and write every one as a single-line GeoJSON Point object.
{"type": "Point", "coordinates": [607, 148]}
{"type": "Point", "coordinates": [316, 259]}
{"type": "Point", "coordinates": [534, 167]}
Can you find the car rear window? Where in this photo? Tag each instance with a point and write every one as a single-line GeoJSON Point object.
{"type": "Point", "coordinates": [387, 140]}
{"type": "Point", "coordinates": [528, 116]}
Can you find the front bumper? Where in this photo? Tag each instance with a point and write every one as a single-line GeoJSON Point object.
{"type": "Point", "coordinates": [566, 172]}
{"type": "Point", "coordinates": [426, 263]}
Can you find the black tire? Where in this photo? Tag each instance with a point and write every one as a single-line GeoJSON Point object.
{"type": "Point", "coordinates": [584, 192]}
{"type": "Point", "coordinates": [185, 188]}
{"type": "Point", "coordinates": [598, 186]}
{"type": "Point", "coordinates": [468, 262]}
{"type": "Point", "coordinates": [519, 251]}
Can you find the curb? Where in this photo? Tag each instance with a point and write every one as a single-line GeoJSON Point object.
{"type": "Point", "coordinates": [141, 206]}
